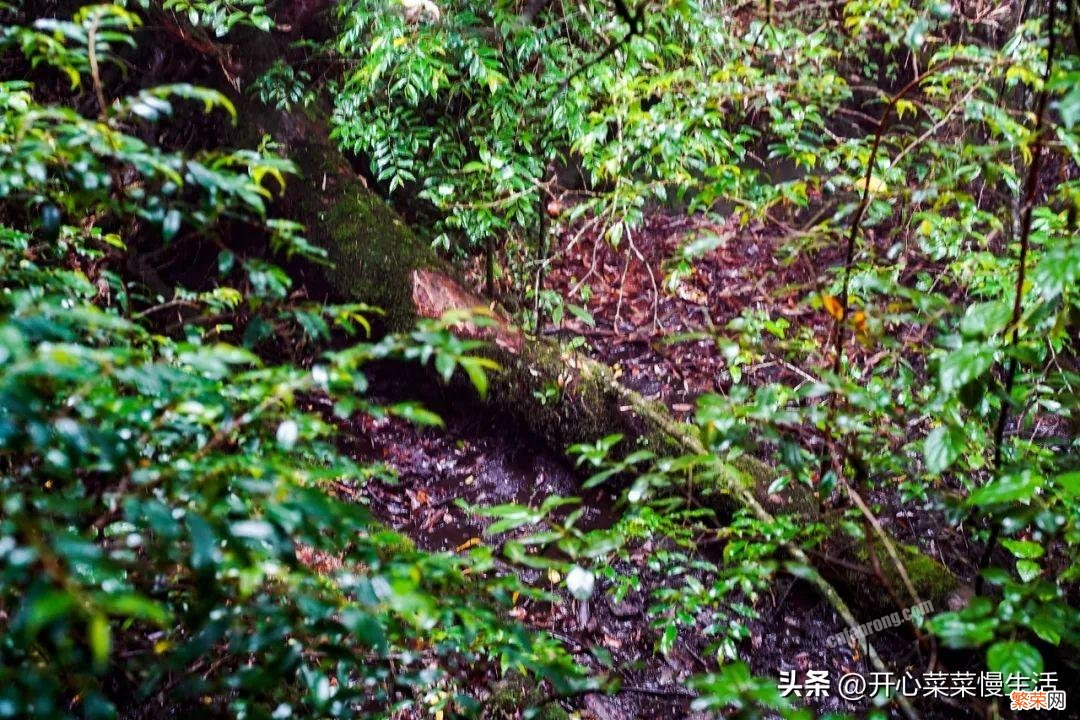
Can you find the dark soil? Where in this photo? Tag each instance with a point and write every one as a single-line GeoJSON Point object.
{"type": "Point", "coordinates": [483, 458]}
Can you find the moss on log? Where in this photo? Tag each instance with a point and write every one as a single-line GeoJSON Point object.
{"type": "Point", "coordinates": [931, 579]}
{"type": "Point", "coordinates": [371, 249]}
{"type": "Point", "coordinates": [561, 395]}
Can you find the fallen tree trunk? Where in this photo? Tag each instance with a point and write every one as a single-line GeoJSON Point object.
{"type": "Point", "coordinates": [561, 395]}
{"type": "Point", "coordinates": [376, 259]}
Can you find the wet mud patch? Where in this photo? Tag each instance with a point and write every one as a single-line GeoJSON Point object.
{"type": "Point", "coordinates": [480, 457]}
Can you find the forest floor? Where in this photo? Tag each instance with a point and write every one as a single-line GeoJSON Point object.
{"type": "Point", "coordinates": [646, 331]}
{"type": "Point", "coordinates": [480, 458]}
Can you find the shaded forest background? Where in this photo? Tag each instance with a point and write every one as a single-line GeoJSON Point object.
{"type": "Point", "coordinates": [404, 359]}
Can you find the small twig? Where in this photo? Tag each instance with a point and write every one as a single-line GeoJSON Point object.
{"type": "Point", "coordinates": [875, 563]}
{"type": "Point", "coordinates": [445, 501]}
{"type": "Point", "coordinates": [178, 302]}
{"type": "Point", "coordinates": [934, 128]}
{"type": "Point", "coordinates": [890, 549]}
{"type": "Point", "coordinates": [652, 278]}
{"type": "Point", "coordinates": [592, 268]}
{"type": "Point", "coordinates": [95, 75]}
{"type": "Point", "coordinates": [839, 562]}
{"type": "Point", "coordinates": [622, 288]}
{"type": "Point", "coordinates": [658, 692]}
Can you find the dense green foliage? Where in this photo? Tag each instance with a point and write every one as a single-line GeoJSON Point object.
{"type": "Point", "coordinates": [171, 535]}
{"type": "Point", "coordinates": [934, 199]}
{"type": "Point", "coordinates": [159, 491]}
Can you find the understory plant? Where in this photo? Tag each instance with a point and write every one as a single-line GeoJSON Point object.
{"type": "Point", "coordinates": [173, 538]}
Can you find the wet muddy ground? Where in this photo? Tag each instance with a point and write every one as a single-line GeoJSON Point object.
{"type": "Point", "coordinates": [483, 458]}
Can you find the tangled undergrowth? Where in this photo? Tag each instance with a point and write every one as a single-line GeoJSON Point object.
{"type": "Point", "coordinates": [871, 250]}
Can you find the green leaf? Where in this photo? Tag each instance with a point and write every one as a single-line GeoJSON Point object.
{"type": "Point", "coordinates": [1023, 548]}
{"type": "Point", "coordinates": [942, 448]}
{"type": "Point", "coordinates": [1009, 488]}
{"type": "Point", "coordinates": [667, 640]}
{"type": "Point", "coordinates": [1047, 626]}
{"type": "Point", "coordinates": [581, 314]}
{"type": "Point", "coordinates": [204, 549]}
{"type": "Point", "coordinates": [99, 635]}
{"type": "Point", "coordinates": [1014, 658]}
{"type": "Point", "coordinates": [50, 223]}
{"type": "Point", "coordinates": [511, 517]}
{"type": "Point", "coordinates": [701, 245]}
{"type": "Point", "coordinates": [170, 225]}
{"type": "Point", "coordinates": [958, 631]}
{"type": "Point", "coordinates": [983, 320]}
{"type": "Point", "coordinates": [1070, 483]}
{"type": "Point", "coordinates": [46, 608]}
{"type": "Point", "coordinates": [1028, 570]}
{"type": "Point", "coordinates": [414, 412]}
{"type": "Point", "coordinates": [1069, 105]}
{"type": "Point", "coordinates": [964, 365]}
{"type": "Point", "coordinates": [477, 369]}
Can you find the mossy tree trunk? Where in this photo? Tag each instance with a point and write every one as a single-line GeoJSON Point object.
{"type": "Point", "coordinates": [559, 394]}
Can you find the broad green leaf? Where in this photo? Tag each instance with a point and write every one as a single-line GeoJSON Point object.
{"type": "Point", "coordinates": [958, 631]}
{"type": "Point", "coordinates": [1028, 570]}
{"type": "Point", "coordinates": [942, 447]}
{"type": "Point", "coordinates": [1047, 625]}
{"type": "Point", "coordinates": [1014, 658]}
{"type": "Point", "coordinates": [983, 320]}
{"type": "Point", "coordinates": [1023, 548]}
{"type": "Point", "coordinates": [962, 366]}
{"type": "Point", "coordinates": [1020, 485]}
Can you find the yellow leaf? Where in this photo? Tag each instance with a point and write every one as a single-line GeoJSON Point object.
{"type": "Point", "coordinates": [470, 543]}
{"type": "Point", "coordinates": [876, 184]}
{"type": "Point", "coordinates": [903, 106]}
{"type": "Point", "coordinates": [554, 576]}
{"type": "Point", "coordinates": [691, 294]}
{"type": "Point", "coordinates": [833, 306]}
{"type": "Point", "coordinates": [859, 319]}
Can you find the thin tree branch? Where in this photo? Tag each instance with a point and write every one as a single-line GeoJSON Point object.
{"type": "Point", "coordinates": [1030, 190]}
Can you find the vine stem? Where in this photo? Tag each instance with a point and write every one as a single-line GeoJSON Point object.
{"type": "Point", "coordinates": [1030, 190]}
{"type": "Point", "coordinates": [840, 334]}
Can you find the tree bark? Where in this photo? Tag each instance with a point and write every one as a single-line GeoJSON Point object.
{"type": "Point", "coordinates": [560, 395]}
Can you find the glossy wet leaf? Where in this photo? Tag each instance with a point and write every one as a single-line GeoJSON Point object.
{"type": "Point", "coordinates": [1014, 658]}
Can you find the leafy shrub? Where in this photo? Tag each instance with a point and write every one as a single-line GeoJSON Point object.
{"type": "Point", "coordinates": [169, 534]}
